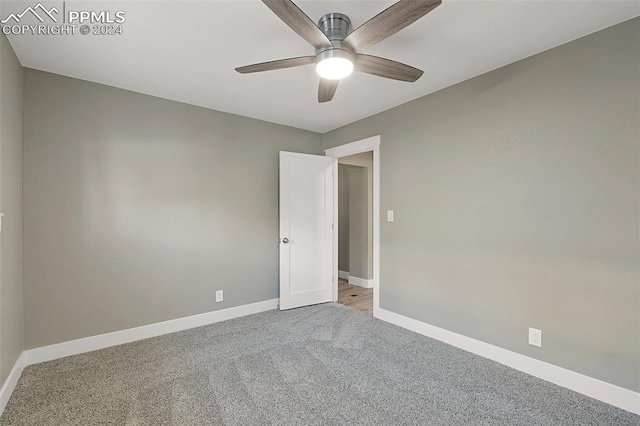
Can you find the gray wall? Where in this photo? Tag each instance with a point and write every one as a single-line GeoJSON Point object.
{"type": "Point", "coordinates": [352, 220]}
{"type": "Point", "coordinates": [11, 318]}
{"type": "Point", "coordinates": [516, 196]}
{"type": "Point", "coordinates": [361, 215]}
{"type": "Point", "coordinates": [137, 209]}
{"type": "Point", "coordinates": [358, 235]}
{"type": "Point", "coordinates": [343, 218]}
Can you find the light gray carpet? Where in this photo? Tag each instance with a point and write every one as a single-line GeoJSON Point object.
{"type": "Point", "coordinates": [318, 365]}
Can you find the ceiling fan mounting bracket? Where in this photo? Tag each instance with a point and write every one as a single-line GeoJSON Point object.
{"type": "Point", "coordinates": [336, 26]}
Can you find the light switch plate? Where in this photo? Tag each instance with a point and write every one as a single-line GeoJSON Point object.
{"type": "Point", "coordinates": [389, 215]}
{"type": "Point", "coordinates": [1, 216]}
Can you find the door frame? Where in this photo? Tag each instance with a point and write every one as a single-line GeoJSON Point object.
{"type": "Point", "coordinates": [371, 144]}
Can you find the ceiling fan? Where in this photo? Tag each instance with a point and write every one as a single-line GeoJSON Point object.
{"type": "Point", "coordinates": [338, 48]}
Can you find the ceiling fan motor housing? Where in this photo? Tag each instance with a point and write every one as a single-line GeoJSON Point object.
{"type": "Point", "coordinates": [336, 26]}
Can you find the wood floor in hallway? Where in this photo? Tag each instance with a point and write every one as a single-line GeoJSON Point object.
{"type": "Point", "coordinates": [355, 297]}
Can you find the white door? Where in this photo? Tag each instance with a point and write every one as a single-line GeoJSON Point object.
{"type": "Point", "coordinates": [306, 229]}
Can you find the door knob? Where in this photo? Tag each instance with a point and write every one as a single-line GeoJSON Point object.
{"type": "Point", "coordinates": [285, 240]}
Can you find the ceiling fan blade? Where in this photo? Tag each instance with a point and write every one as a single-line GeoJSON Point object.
{"type": "Point", "coordinates": [389, 22]}
{"type": "Point", "coordinates": [387, 68]}
{"type": "Point", "coordinates": [277, 65]}
{"type": "Point", "coordinates": [327, 89]}
{"type": "Point", "coordinates": [295, 18]}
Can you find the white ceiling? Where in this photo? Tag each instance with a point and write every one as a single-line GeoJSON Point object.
{"type": "Point", "coordinates": [187, 51]}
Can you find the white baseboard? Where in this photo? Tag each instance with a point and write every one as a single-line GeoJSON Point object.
{"type": "Point", "coordinates": [10, 384]}
{"type": "Point", "coordinates": [101, 341]}
{"type": "Point", "coordinates": [594, 388]}
{"type": "Point", "coordinates": [360, 282]}
{"type": "Point", "coordinates": [343, 275]}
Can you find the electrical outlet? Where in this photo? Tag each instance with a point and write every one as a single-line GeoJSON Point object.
{"type": "Point", "coordinates": [535, 337]}
{"type": "Point", "coordinates": [219, 296]}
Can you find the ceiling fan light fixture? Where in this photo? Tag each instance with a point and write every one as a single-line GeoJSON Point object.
{"type": "Point", "coordinates": [339, 50]}
{"type": "Point", "coordinates": [334, 64]}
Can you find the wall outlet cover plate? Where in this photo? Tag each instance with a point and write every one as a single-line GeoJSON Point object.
{"type": "Point", "coordinates": [535, 337]}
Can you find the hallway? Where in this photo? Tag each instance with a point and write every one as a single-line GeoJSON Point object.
{"type": "Point", "coordinates": [355, 297]}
